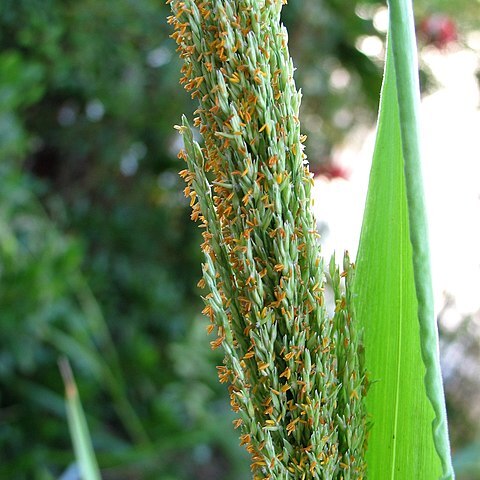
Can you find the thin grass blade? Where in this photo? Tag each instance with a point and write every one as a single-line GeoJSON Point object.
{"type": "Point", "coordinates": [77, 424]}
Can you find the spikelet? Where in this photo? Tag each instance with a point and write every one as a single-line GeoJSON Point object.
{"type": "Point", "coordinates": [295, 376]}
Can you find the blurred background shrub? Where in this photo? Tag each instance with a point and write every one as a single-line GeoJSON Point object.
{"type": "Point", "coordinates": [98, 257]}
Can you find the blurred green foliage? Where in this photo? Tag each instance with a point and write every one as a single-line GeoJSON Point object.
{"type": "Point", "coordinates": [98, 257]}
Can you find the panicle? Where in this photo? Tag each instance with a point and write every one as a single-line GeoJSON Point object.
{"type": "Point", "coordinates": [295, 376]}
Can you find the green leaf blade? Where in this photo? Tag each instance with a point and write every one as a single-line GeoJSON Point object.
{"type": "Point", "coordinates": [400, 444]}
{"type": "Point", "coordinates": [406, 66]}
{"type": "Point", "coordinates": [78, 427]}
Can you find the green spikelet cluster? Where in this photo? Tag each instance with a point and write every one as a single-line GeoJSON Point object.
{"type": "Point", "coordinates": [295, 376]}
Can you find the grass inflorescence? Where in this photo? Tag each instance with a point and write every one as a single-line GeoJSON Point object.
{"type": "Point", "coordinates": [295, 373]}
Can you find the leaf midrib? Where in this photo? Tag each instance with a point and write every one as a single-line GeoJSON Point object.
{"type": "Point", "coordinates": [399, 364]}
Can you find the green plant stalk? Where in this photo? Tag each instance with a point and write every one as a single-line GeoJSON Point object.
{"type": "Point", "coordinates": [296, 376]}
{"type": "Point", "coordinates": [402, 36]}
